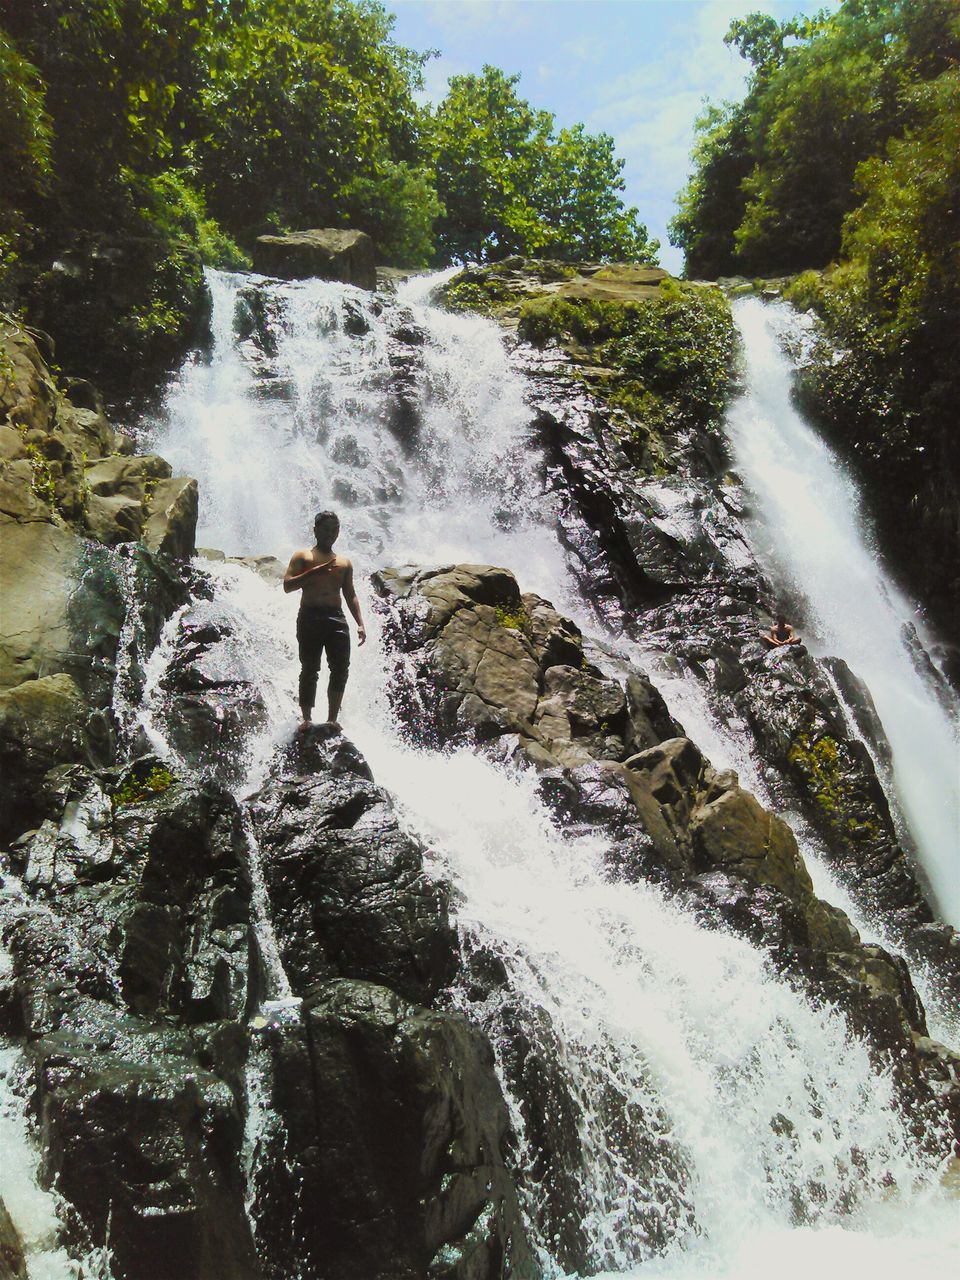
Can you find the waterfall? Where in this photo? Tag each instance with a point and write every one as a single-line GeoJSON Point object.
{"type": "Point", "coordinates": [813, 534]}
{"type": "Point", "coordinates": [765, 1133]}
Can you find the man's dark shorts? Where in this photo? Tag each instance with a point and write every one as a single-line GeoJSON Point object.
{"type": "Point", "coordinates": [322, 629]}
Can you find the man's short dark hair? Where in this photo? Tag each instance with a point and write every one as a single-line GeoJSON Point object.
{"type": "Point", "coordinates": [325, 517]}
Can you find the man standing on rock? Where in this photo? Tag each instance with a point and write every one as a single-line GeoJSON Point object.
{"type": "Point", "coordinates": [323, 576]}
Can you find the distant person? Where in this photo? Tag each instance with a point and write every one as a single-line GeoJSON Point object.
{"type": "Point", "coordinates": [323, 577]}
{"type": "Point", "coordinates": [780, 634]}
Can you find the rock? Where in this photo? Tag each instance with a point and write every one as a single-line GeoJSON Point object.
{"type": "Point", "coordinates": [492, 665]}
{"type": "Point", "coordinates": [331, 254]}
{"type": "Point", "coordinates": [134, 497]}
{"type": "Point", "coordinates": [13, 1264]}
{"type": "Point", "coordinates": [347, 886]}
{"type": "Point", "coordinates": [37, 577]}
{"type": "Point", "coordinates": [665, 813]}
{"type": "Point", "coordinates": [210, 700]}
{"type": "Point", "coordinates": [735, 831]}
{"type": "Point", "coordinates": [43, 723]}
{"type": "Point", "coordinates": [171, 525]}
{"type": "Point", "coordinates": [66, 477]}
{"type": "Point", "coordinates": [395, 1124]}
{"type": "Point", "coordinates": [145, 1145]}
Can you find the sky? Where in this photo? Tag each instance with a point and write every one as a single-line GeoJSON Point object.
{"type": "Point", "coordinates": [636, 69]}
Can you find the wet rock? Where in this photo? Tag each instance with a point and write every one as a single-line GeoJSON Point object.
{"type": "Point", "coordinates": [331, 254]}
{"type": "Point", "coordinates": [13, 1264]}
{"type": "Point", "coordinates": [145, 1146]}
{"type": "Point", "coordinates": [152, 876]}
{"type": "Point", "coordinates": [394, 1122]}
{"type": "Point", "coordinates": [210, 702]}
{"type": "Point", "coordinates": [347, 887]}
{"type": "Point", "coordinates": [492, 665]}
{"type": "Point", "coordinates": [43, 723]}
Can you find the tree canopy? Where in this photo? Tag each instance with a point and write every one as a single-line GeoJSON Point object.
{"type": "Point", "coordinates": [775, 176]}
{"type": "Point", "coordinates": [510, 184]}
{"type": "Point", "coordinates": [239, 116]}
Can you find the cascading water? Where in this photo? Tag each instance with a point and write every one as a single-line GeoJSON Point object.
{"type": "Point", "coordinates": [813, 533]}
{"type": "Point", "coordinates": [718, 1121]}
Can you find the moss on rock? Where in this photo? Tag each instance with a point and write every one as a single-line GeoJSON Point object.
{"type": "Point", "coordinates": [656, 351]}
{"type": "Point", "coordinates": [820, 763]}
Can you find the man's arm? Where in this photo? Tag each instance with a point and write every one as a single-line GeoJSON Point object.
{"type": "Point", "coordinates": [353, 604]}
{"type": "Point", "coordinates": [295, 576]}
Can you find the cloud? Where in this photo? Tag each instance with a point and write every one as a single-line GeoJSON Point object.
{"type": "Point", "coordinates": [452, 16]}
{"type": "Point", "coordinates": [587, 48]}
{"type": "Point", "coordinates": [650, 112]}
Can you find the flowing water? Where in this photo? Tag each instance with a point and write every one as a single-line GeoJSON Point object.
{"type": "Point", "coordinates": [764, 1132]}
{"type": "Point", "coordinates": [812, 531]}
{"type": "Point", "coordinates": [722, 1126]}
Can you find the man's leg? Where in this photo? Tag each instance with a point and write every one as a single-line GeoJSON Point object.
{"type": "Point", "coordinates": [338, 662]}
{"type": "Point", "coordinates": [310, 647]}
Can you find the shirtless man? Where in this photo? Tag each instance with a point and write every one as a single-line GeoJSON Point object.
{"type": "Point", "coordinates": [780, 634]}
{"type": "Point", "coordinates": [323, 576]}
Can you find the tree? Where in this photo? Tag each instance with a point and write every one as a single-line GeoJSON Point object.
{"type": "Point", "coordinates": [509, 184]}
{"type": "Point", "coordinates": [488, 146]}
{"type": "Point", "coordinates": [712, 205]}
{"type": "Point", "coordinates": [579, 202]}
{"type": "Point", "coordinates": [307, 100]}
{"type": "Point", "coordinates": [24, 149]}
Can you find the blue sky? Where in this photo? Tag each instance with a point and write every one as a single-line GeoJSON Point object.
{"type": "Point", "coordinates": [636, 69]}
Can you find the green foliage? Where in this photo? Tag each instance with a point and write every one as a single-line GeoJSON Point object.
{"type": "Point", "coordinates": [775, 177]}
{"type": "Point", "coordinates": [141, 785]}
{"type": "Point", "coordinates": [172, 206]}
{"type": "Point", "coordinates": [309, 102]}
{"type": "Point", "coordinates": [41, 481]}
{"type": "Point", "coordinates": [818, 760]}
{"type": "Point", "coordinates": [712, 205]}
{"type": "Point", "coordinates": [24, 153]}
{"type": "Point", "coordinates": [397, 206]}
{"type": "Point", "coordinates": [510, 185]}
{"type": "Point", "coordinates": [188, 127]}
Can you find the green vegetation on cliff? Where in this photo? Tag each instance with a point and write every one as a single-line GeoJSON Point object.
{"type": "Point", "coordinates": [669, 356]}
{"type": "Point", "coordinates": [658, 351]}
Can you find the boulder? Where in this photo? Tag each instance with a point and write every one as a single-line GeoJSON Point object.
{"type": "Point", "coordinates": [145, 1144]}
{"type": "Point", "coordinates": [67, 477]}
{"type": "Point", "coordinates": [328, 253]}
{"type": "Point", "coordinates": [137, 497]}
{"type": "Point", "coordinates": [500, 668]}
{"type": "Point", "coordinates": [394, 1122]}
{"type": "Point", "coordinates": [347, 887]}
{"type": "Point", "coordinates": [210, 698]}
{"type": "Point", "coordinates": [43, 723]}
{"type": "Point", "coordinates": [153, 876]}
{"type": "Point", "coordinates": [37, 578]}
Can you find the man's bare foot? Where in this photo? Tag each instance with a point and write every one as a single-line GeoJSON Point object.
{"type": "Point", "coordinates": [332, 724]}
{"type": "Point", "coordinates": [304, 724]}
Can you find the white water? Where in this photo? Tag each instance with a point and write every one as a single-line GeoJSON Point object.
{"type": "Point", "coordinates": [811, 522]}
{"type": "Point", "coordinates": [791, 1147]}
